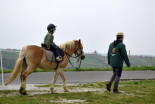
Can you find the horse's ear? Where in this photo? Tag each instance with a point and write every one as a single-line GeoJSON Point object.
{"type": "Point", "coordinates": [79, 40]}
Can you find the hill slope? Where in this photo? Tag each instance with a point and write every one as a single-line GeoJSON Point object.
{"type": "Point", "coordinates": [91, 60]}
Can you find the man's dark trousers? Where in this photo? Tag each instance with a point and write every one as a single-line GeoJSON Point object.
{"type": "Point", "coordinates": [117, 71]}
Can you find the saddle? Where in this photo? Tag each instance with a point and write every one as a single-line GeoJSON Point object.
{"type": "Point", "coordinates": [50, 53]}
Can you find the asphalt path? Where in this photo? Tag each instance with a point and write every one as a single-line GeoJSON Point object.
{"type": "Point", "coordinates": [80, 77]}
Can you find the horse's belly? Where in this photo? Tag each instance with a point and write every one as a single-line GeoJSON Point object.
{"type": "Point", "coordinates": [48, 65]}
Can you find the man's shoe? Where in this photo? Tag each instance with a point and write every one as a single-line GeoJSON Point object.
{"type": "Point", "coordinates": [116, 91]}
{"type": "Point", "coordinates": [109, 86]}
{"type": "Point", "coordinates": [59, 58]}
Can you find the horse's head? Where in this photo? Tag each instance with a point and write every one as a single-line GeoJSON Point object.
{"type": "Point", "coordinates": [79, 49]}
{"type": "Point", "coordinates": [74, 46]}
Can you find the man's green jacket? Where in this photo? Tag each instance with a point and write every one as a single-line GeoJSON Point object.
{"type": "Point", "coordinates": [117, 56]}
{"type": "Point", "coordinates": [48, 40]}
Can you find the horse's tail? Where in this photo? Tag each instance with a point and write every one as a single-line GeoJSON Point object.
{"type": "Point", "coordinates": [18, 66]}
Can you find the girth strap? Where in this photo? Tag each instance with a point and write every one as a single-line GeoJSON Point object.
{"type": "Point", "coordinates": [57, 66]}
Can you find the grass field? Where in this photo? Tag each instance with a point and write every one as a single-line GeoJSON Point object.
{"type": "Point", "coordinates": [132, 92]}
{"type": "Point", "coordinates": [96, 69]}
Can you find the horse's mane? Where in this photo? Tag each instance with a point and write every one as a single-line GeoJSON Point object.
{"type": "Point", "coordinates": [68, 44]}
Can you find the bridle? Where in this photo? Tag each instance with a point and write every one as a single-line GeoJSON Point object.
{"type": "Point", "coordinates": [76, 56]}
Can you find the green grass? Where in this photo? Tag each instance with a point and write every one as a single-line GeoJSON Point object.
{"type": "Point", "coordinates": [142, 68]}
{"type": "Point", "coordinates": [6, 71]}
{"type": "Point", "coordinates": [7, 91]}
{"type": "Point", "coordinates": [133, 92]}
{"type": "Point", "coordinates": [139, 68]}
{"type": "Point", "coordinates": [48, 85]}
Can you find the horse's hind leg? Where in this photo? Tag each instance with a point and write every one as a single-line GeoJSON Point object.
{"type": "Point", "coordinates": [63, 79]}
{"type": "Point", "coordinates": [24, 67]}
{"type": "Point", "coordinates": [23, 77]}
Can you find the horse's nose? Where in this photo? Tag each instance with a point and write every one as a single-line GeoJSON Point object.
{"type": "Point", "coordinates": [82, 57]}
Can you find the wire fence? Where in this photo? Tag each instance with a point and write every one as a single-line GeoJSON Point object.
{"type": "Point", "coordinates": [8, 53]}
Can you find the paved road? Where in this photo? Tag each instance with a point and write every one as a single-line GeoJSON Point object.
{"type": "Point", "coordinates": [80, 77]}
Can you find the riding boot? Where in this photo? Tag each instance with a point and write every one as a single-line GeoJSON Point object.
{"type": "Point", "coordinates": [59, 58]}
{"type": "Point", "coordinates": [109, 86]}
{"type": "Point", "coordinates": [116, 91]}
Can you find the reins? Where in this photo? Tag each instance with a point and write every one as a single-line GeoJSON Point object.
{"type": "Point", "coordinates": [73, 57]}
{"type": "Point", "coordinates": [78, 60]}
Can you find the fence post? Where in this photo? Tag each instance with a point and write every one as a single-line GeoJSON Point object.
{"type": "Point", "coordinates": [2, 67]}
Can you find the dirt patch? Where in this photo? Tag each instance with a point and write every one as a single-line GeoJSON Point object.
{"type": "Point", "coordinates": [32, 89]}
{"type": "Point", "coordinates": [17, 87]}
{"type": "Point", "coordinates": [68, 101]}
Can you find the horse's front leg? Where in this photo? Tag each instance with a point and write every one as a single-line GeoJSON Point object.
{"type": "Point", "coordinates": [63, 79]}
{"type": "Point", "coordinates": [54, 80]}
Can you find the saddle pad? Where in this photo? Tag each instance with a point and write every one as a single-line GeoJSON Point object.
{"type": "Point", "coordinates": [50, 56]}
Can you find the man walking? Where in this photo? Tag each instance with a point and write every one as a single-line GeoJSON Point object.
{"type": "Point", "coordinates": [116, 56]}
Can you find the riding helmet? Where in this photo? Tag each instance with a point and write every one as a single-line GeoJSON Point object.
{"type": "Point", "coordinates": [50, 26]}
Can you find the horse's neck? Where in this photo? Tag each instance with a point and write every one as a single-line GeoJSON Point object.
{"type": "Point", "coordinates": [70, 51]}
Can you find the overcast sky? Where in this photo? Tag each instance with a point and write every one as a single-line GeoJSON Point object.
{"type": "Point", "coordinates": [95, 22]}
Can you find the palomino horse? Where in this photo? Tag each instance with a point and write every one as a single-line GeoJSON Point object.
{"type": "Point", "coordinates": [32, 57]}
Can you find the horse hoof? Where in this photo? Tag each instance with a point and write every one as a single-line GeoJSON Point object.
{"type": "Point", "coordinates": [23, 93]}
{"type": "Point", "coordinates": [52, 92]}
{"type": "Point", "coordinates": [66, 90]}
